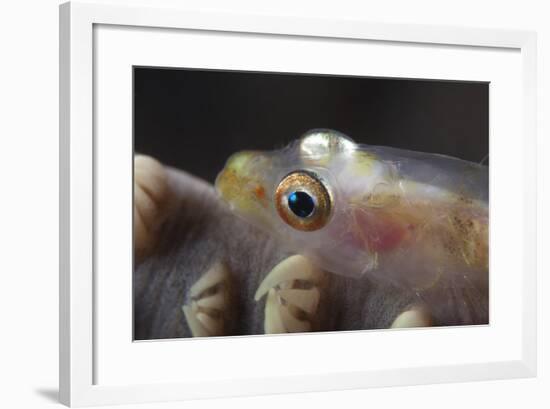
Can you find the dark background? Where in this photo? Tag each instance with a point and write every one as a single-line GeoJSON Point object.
{"type": "Point", "coordinates": [195, 119]}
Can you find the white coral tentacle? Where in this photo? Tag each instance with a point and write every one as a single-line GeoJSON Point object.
{"type": "Point", "coordinates": [293, 296]}
{"type": "Point", "coordinates": [209, 298]}
{"type": "Point", "coordinates": [414, 317]}
{"type": "Point", "coordinates": [150, 197]}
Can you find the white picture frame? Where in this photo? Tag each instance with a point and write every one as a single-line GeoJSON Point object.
{"type": "Point", "coordinates": [80, 293]}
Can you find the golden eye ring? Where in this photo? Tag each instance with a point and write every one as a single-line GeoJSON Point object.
{"type": "Point", "coordinates": [303, 201]}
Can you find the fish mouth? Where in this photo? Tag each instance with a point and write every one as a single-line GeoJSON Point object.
{"type": "Point", "coordinates": [235, 176]}
{"type": "Point", "coordinates": [242, 185]}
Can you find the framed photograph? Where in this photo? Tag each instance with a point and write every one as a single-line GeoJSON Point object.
{"type": "Point", "coordinates": [257, 204]}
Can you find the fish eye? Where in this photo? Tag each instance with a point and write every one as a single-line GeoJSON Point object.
{"type": "Point", "coordinates": [303, 201]}
{"type": "Point", "coordinates": [301, 204]}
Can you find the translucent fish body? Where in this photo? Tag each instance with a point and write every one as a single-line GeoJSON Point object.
{"type": "Point", "coordinates": [413, 218]}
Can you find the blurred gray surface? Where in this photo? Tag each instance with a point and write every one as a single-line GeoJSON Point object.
{"type": "Point", "coordinates": [201, 231]}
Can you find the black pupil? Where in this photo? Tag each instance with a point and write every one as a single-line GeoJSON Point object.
{"type": "Point", "coordinates": [301, 204]}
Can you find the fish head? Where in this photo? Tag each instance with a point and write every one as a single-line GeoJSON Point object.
{"type": "Point", "coordinates": [304, 195]}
